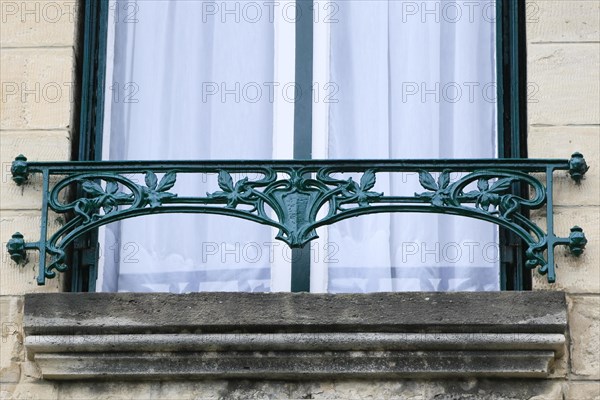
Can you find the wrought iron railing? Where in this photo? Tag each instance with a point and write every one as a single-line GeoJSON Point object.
{"type": "Point", "coordinates": [296, 197]}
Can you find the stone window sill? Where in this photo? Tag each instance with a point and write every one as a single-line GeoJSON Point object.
{"type": "Point", "coordinates": [74, 336]}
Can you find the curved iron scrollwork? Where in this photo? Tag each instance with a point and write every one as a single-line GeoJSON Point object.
{"type": "Point", "coordinates": [296, 197]}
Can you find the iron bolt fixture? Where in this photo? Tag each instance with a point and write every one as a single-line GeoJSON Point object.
{"type": "Point", "coordinates": [16, 248]}
{"type": "Point", "coordinates": [577, 241]}
{"type": "Point", "coordinates": [577, 167]}
{"type": "Point", "coordinates": [19, 171]}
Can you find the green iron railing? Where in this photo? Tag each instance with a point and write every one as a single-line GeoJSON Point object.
{"type": "Point", "coordinates": [296, 197]}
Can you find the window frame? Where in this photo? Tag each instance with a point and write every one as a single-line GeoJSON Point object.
{"type": "Point", "coordinates": [512, 126]}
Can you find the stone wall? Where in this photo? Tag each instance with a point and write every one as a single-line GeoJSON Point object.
{"type": "Point", "coordinates": [564, 116]}
{"type": "Point", "coordinates": [37, 67]}
{"type": "Point", "coordinates": [37, 74]}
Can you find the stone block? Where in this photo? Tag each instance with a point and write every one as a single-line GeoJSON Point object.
{"type": "Point", "coordinates": [38, 88]}
{"type": "Point", "coordinates": [11, 340]}
{"type": "Point", "coordinates": [38, 23]}
{"type": "Point", "coordinates": [563, 21]}
{"type": "Point", "coordinates": [584, 327]}
{"type": "Point", "coordinates": [582, 391]}
{"type": "Point", "coordinates": [564, 84]}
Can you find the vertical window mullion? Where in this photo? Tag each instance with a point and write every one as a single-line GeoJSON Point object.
{"type": "Point", "coordinates": [95, 24]}
{"type": "Point", "coordinates": [303, 123]}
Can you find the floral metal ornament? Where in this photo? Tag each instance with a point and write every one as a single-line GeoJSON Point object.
{"type": "Point", "coordinates": [296, 197]}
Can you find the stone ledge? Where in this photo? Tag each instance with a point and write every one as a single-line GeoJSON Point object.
{"type": "Point", "coordinates": [460, 312]}
{"type": "Point", "coordinates": [283, 365]}
{"type": "Point", "coordinates": [294, 336]}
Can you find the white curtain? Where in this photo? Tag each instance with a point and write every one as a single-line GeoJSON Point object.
{"type": "Point", "coordinates": [175, 94]}
{"type": "Point", "coordinates": [413, 80]}
{"type": "Point", "coordinates": [393, 81]}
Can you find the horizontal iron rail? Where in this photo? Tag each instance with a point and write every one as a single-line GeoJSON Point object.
{"type": "Point", "coordinates": [525, 165]}
{"type": "Point", "coordinates": [312, 195]}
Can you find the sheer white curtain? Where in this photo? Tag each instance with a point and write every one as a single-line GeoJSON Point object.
{"type": "Point", "coordinates": [175, 93]}
{"type": "Point", "coordinates": [393, 81]}
{"type": "Point", "coordinates": [413, 80]}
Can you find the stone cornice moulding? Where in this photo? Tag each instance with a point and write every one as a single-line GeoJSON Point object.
{"type": "Point", "coordinates": [73, 336]}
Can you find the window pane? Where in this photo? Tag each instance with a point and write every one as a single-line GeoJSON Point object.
{"type": "Point", "coordinates": [189, 80]}
{"type": "Point", "coordinates": [411, 80]}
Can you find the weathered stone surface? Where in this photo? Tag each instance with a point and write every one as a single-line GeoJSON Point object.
{"type": "Point", "coordinates": [11, 346]}
{"type": "Point", "coordinates": [584, 327]}
{"type": "Point", "coordinates": [582, 390]}
{"type": "Point", "coordinates": [36, 146]}
{"type": "Point", "coordinates": [564, 84]}
{"type": "Point", "coordinates": [294, 365]}
{"type": "Point", "coordinates": [294, 335]}
{"type": "Point", "coordinates": [30, 391]}
{"type": "Point", "coordinates": [323, 390]}
{"type": "Point", "coordinates": [561, 142]}
{"type": "Point", "coordinates": [573, 274]}
{"type": "Point", "coordinates": [317, 341]}
{"type": "Point", "coordinates": [562, 21]}
{"type": "Point", "coordinates": [38, 88]}
{"type": "Point", "coordinates": [37, 23]}
{"type": "Point", "coordinates": [30, 372]}
{"type": "Point", "coordinates": [560, 366]}
{"type": "Point", "coordinates": [511, 312]}
{"type": "Point", "coordinates": [293, 355]}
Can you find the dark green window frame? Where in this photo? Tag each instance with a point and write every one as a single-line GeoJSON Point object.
{"type": "Point", "coordinates": [512, 125]}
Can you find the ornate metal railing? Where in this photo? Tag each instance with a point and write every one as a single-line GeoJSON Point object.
{"type": "Point", "coordinates": [296, 197]}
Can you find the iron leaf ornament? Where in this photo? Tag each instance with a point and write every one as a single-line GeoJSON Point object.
{"type": "Point", "coordinates": [233, 194]}
{"type": "Point", "coordinates": [439, 194]}
{"type": "Point", "coordinates": [155, 193]}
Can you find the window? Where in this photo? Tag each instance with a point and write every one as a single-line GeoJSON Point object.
{"type": "Point", "coordinates": [312, 61]}
{"type": "Point", "coordinates": [217, 330]}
